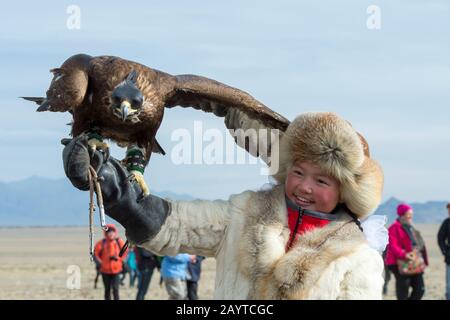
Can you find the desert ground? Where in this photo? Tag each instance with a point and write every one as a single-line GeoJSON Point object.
{"type": "Point", "coordinates": [44, 263]}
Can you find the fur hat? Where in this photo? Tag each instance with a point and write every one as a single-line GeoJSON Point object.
{"type": "Point", "coordinates": [330, 142]}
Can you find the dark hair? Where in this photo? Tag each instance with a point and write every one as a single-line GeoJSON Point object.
{"type": "Point", "coordinates": [448, 205]}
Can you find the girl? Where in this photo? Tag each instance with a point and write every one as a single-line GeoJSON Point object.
{"type": "Point", "coordinates": [301, 239]}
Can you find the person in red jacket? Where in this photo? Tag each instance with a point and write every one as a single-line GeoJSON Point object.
{"type": "Point", "coordinates": [107, 257]}
{"type": "Point", "coordinates": [403, 240]}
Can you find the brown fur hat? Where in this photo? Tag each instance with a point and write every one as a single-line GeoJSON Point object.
{"type": "Point", "coordinates": [330, 142]}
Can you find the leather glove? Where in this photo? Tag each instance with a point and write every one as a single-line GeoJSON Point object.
{"type": "Point", "coordinates": [142, 218]}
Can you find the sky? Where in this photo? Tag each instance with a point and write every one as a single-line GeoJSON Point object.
{"type": "Point", "coordinates": [391, 82]}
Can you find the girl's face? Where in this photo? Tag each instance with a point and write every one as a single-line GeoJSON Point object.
{"type": "Point", "coordinates": [310, 188]}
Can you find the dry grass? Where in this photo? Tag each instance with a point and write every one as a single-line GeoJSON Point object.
{"type": "Point", "coordinates": [34, 262]}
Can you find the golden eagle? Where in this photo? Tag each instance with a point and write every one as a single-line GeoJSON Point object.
{"type": "Point", "coordinates": [110, 97]}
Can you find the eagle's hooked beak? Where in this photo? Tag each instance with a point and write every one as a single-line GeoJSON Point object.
{"type": "Point", "coordinates": [125, 109]}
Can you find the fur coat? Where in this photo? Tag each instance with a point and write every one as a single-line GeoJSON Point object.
{"type": "Point", "coordinates": [248, 234]}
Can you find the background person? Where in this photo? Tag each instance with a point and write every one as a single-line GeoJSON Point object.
{"type": "Point", "coordinates": [444, 245]}
{"type": "Point", "coordinates": [194, 269]}
{"type": "Point", "coordinates": [403, 240]}
{"type": "Point", "coordinates": [107, 254]}
{"type": "Point", "coordinates": [174, 274]}
{"type": "Point", "coordinates": [387, 274]}
{"type": "Point", "coordinates": [146, 264]}
{"type": "Point", "coordinates": [132, 266]}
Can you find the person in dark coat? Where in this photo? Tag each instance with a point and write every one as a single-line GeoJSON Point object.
{"type": "Point", "coordinates": [444, 245]}
{"type": "Point", "coordinates": [146, 263]}
{"type": "Point", "coordinates": [194, 270]}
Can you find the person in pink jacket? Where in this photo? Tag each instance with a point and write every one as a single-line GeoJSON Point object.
{"type": "Point", "coordinates": [403, 239]}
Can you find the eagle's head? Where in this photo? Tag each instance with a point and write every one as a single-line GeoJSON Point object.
{"type": "Point", "coordinates": [67, 90]}
{"type": "Point", "coordinates": [127, 99]}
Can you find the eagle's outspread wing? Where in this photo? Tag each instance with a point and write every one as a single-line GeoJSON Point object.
{"type": "Point", "coordinates": [88, 87]}
{"type": "Point", "coordinates": [247, 119]}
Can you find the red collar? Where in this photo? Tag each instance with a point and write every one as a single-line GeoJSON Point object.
{"type": "Point", "coordinates": [300, 222]}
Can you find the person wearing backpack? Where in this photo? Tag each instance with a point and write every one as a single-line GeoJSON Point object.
{"type": "Point", "coordinates": [111, 264]}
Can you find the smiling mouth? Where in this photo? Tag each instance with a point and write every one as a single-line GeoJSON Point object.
{"type": "Point", "coordinates": [303, 202]}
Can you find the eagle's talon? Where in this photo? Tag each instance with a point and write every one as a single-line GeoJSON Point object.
{"type": "Point", "coordinates": [140, 197]}
{"type": "Point", "coordinates": [96, 143]}
{"type": "Point", "coordinates": [139, 178]}
{"type": "Point", "coordinates": [135, 163]}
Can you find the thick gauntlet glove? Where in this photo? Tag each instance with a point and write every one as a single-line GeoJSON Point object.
{"type": "Point", "coordinates": [141, 217]}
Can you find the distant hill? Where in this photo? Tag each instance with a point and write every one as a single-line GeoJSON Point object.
{"type": "Point", "coordinates": [428, 212]}
{"type": "Point", "coordinates": [43, 202]}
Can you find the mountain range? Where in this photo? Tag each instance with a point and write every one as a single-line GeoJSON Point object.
{"type": "Point", "coordinates": [39, 201]}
